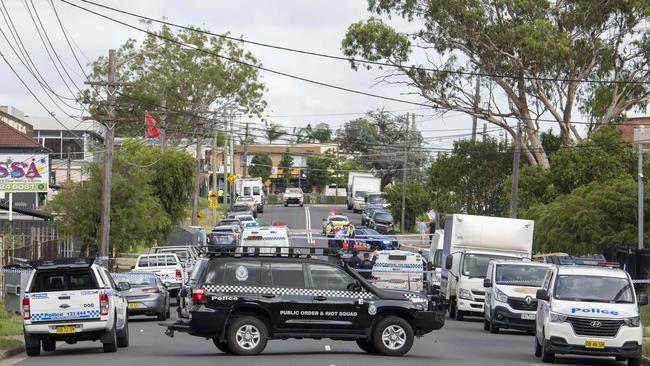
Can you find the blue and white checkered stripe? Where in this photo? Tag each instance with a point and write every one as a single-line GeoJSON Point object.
{"type": "Point", "coordinates": [286, 291]}
{"type": "Point", "coordinates": [398, 265]}
{"type": "Point", "coordinates": [72, 315]}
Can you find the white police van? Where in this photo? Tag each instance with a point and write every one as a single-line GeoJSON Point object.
{"type": "Point", "coordinates": [398, 270]}
{"type": "Point", "coordinates": [592, 311]}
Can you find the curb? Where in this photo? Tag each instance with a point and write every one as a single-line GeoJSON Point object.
{"type": "Point", "coordinates": [645, 361]}
{"type": "Point", "coordinates": [11, 352]}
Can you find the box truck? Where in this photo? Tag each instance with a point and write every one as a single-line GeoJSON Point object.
{"type": "Point", "coordinates": [362, 185]}
{"type": "Point", "coordinates": [251, 187]}
{"type": "Point", "coordinates": [349, 195]}
{"type": "Point", "coordinates": [469, 244]}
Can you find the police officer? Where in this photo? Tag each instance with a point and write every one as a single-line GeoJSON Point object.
{"type": "Point", "coordinates": [366, 265]}
{"type": "Point", "coordinates": [354, 260]}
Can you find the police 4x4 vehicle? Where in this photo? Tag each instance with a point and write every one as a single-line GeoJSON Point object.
{"type": "Point", "coordinates": [73, 300]}
{"type": "Point", "coordinates": [592, 311]}
{"type": "Point", "coordinates": [243, 300]}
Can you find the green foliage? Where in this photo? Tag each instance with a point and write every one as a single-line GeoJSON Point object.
{"type": "Point", "coordinates": [188, 80]}
{"type": "Point", "coordinates": [418, 201]}
{"type": "Point", "coordinates": [319, 166]}
{"type": "Point", "coordinates": [285, 164]}
{"type": "Point", "coordinates": [472, 178]}
{"type": "Point", "coordinates": [342, 169]}
{"type": "Point", "coordinates": [10, 323]}
{"type": "Point", "coordinates": [273, 132]}
{"type": "Point", "coordinates": [589, 219]}
{"type": "Point", "coordinates": [261, 166]}
{"type": "Point", "coordinates": [150, 194]}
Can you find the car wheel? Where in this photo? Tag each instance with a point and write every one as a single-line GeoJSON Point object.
{"type": "Point", "coordinates": [366, 345]}
{"type": "Point", "coordinates": [123, 336]}
{"type": "Point", "coordinates": [302, 204]}
{"type": "Point", "coordinates": [32, 346]}
{"type": "Point", "coordinates": [493, 328]}
{"type": "Point", "coordinates": [538, 348]}
{"type": "Point", "coordinates": [169, 312]}
{"type": "Point", "coordinates": [547, 356]}
{"type": "Point", "coordinates": [109, 340]}
{"type": "Point", "coordinates": [633, 361]}
{"type": "Point", "coordinates": [49, 345]}
{"type": "Point", "coordinates": [486, 324]}
{"type": "Point", "coordinates": [221, 346]}
{"type": "Point", "coordinates": [393, 336]}
{"type": "Point", "coordinates": [162, 315]}
{"type": "Point", "coordinates": [286, 205]}
{"type": "Point", "coordinates": [452, 309]}
{"type": "Point", "coordinates": [247, 336]}
{"type": "Point", "coordinates": [459, 315]}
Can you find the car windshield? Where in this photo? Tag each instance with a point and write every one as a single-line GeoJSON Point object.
{"type": "Point", "coordinates": [360, 194]}
{"type": "Point", "coordinates": [374, 199]}
{"type": "Point", "coordinates": [370, 232]}
{"type": "Point", "coordinates": [594, 289]}
{"type": "Point", "coordinates": [475, 265]}
{"type": "Point", "coordinates": [520, 275]}
{"type": "Point", "coordinates": [137, 279]}
{"type": "Point", "coordinates": [181, 254]}
{"type": "Point", "coordinates": [339, 218]}
{"type": "Point", "coordinates": [228, 222]}
{"type": "Point", "coordinates": [236, 208]}
{"type": "Point", "coordinates": [383, 216]}
{"type": "Point", "coordinates": [245, 199]}
{"type": "Point", "coordinates": [245, 218]}
{"type": "Point", "coordinates": [293, 190]}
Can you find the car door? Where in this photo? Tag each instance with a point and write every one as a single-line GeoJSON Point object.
{"type": "Point", "coordinates": [543, 306]}
{"type": "Point", "coordinates": [339, 304]}
{"type": "Point", "coordinates": [117, 297]}
{"type": "Point", "coordinates": [285, 294]}
{"type": "Point", "coordinates": [488, 291]}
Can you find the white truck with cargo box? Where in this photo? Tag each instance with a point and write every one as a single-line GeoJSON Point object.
{"type": "Point", "coordinates": [251, 187]}
{"type": "Point", "coordinates": [73, 300]}
{"type": "Point", "coordinates": [470, 243]}
{"type": "Point", "coordinates": [362, 186]}
{"type": "Point", "coordinates": [590, 311]}
{"type": "Point", "coordinates": [350, 196]}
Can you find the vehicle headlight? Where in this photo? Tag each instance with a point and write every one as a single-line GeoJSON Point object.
{"type": "Point", "coordinates": [464, 293]}
{"type": "Point", "coordinates": [500, 296]}
{"type": "Point", "coordinates": [421, 301]}
{"type": "Point", "coordinates": [387, 242]}
{"type": "Point", "coordinates": [556, 317]}
{"type": "Point", "coordinates": [633, 322]}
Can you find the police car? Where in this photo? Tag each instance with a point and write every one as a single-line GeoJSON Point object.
{"type": "Point", "coordinates": [73, 300]}
{"type": "Point", "coordinates": [242, 301]}
{"type": "Point", "coordinates": [585, 310]}
{"type": "Point", "coordinates": [335, 220]}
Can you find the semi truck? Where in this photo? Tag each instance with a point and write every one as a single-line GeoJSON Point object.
{"type": "Point", "coordinates": [469, 244]}
{"type": "Point", "coordinates": [251, 187]}
{"type": "Point", "coordinates": [360, 186]}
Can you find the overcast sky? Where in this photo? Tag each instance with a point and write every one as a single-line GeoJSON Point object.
{"type": "Point", "coordinates": [311, 25]}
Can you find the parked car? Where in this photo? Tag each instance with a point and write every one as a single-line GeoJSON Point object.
{"type": "Point", "coordinates": [167, 266]}
{"type": "Point", "coordinates": [224, 238]}
{"type": "Point", "coordinates": [374, 239]}
{"type": "Point", "coordinates": [228, 221]}
{"type": "Point", "coordinates": [147, 295]}
{"type": "Point", "coordinates": [382, 221]}
{"type": "Point", "coordinates": [368, 212]}
{"type": "Point", "coordinates": [249, 200]}
{"type": "Point", "coordinates": [185, 294]}
{"type": "Point", "coordinates": [293, 195]}
{"type": "Point", "coordinates": [188, 254]}
{"type": "Point", "coordinates": [241, 209]}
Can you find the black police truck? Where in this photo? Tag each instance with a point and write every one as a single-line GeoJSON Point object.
{"type": "Point", "coordinates": [242, 300]}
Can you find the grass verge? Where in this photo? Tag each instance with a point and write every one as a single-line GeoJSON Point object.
{"type": "Point", "coordinates": [7, 344]}
{"type": "Point", "coordinates": [10, 323]}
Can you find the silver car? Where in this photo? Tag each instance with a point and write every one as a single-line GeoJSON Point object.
{"type": "Point", "coordinates": [147, 296]}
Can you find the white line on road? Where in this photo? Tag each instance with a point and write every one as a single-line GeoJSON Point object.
{"type": "Point", "coordinates": [310, 241]}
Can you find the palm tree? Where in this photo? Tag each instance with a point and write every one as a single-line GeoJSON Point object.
{"type": "Point", "coordinates": [273, 132]}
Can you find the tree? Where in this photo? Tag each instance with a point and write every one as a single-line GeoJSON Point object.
{"type": "Point", "coordinates": [261, 166]}
{"type": "Point", "coordinates": [471, 178]}
{"type": "Point", "coordinates": [322, 133]}
{"type": "Point", "coordinates": [342, 169]}
{"type": "Point", "coordinates": [273, 132]}
{"type": "Point", "coordinates": [190, 81]}
{"type": "Point", "coordinates": [418, 201]}
{"type": "Point", "coordinates": [590, 218]}
{"type": "Point", "coordinates": [286, 163]}
{"type": "Point", "coordinates": [534, 54]}
{"type": "Point", "coordinates": [318, 169]}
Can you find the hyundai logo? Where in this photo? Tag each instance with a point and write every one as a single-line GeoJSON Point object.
{"type": "Point", "coordinates": [64, 306]}
{"type": "Point", "coordinates": [596, 324]}
{"type": "Point", "coordinates": [528, 300]}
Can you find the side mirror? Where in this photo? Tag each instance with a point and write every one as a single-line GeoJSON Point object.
{"type": "Point", "coordinates": [487, 283]}
{"type": "Point", "coordinates": [643, 299]}
{"type": "Point", "coordinates": [449, 261]}
{"type": "Point", "coordinates": [132, 267]}
{"type": "Point", "coordinates": [543, 295]}
{"type": "Point", "coordinates": [123, 286]}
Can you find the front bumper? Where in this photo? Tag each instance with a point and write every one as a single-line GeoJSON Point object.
{"type": "Point", "coordinates": [470, 306]}
{"type": "Point", "coordinates": [502, 317]}
{"type": "Point", "coordinates": [428, 321]}
{"type": "Point", "coordinates": [563, 339]}
{"type": "Point", "coordinates": [293, 200]}
{"type": "Point", "coordinates": [559, 345]}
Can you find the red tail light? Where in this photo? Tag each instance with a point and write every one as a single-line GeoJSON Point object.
{"type": "Point", "coordinates": [198, 296]}
{"type": "Point", "coordinates": [153, 290]}
{"type": "Point", "coordinates": [103, 304]}
{"type": "Point", "coordinates": [178, 273]}
{"type": "Point", "coordinates": [26, 309]}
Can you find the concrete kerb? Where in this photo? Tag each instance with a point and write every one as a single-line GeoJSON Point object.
{"type": "Point", "coordinates": [11, 352]}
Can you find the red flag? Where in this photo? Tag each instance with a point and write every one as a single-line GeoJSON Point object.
{"type": "Point", "coordinates": [152, 130]}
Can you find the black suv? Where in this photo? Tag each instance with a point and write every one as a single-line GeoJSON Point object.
{"type": "Point", "coordinates": [241, 301]}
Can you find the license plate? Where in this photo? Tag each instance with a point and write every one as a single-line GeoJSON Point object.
{"type": "Point", "coordinates": [66, 330]}
{"type": "Point", "coordinates": [595, 344]}
{"type": "Point", "coordinates": [528, 316]}
{"type": "Point", "coordinates": [134, 305]}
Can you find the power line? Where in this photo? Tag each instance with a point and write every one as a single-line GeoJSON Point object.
{"type": "Point", "coordinates": [361, 61]}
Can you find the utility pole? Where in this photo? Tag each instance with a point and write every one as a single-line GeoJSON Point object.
{"type": "Point", "coordinates": [477, 100]}
{"type": "Point", "coordinates": [514, 191]}
{"type": "Point", "coordinates": [68, 163]}
{"type": "Point", "coordinates": [246, 152]}
{"type": "Point", "coordinates": [641, 135]}
{"type": "Point", "coordinates": [197, 175]}
{"type": "Point", "coordinates": [231, 119]}
{"type": "Point", "coordinates": [163, 117]}
{"type": "Point", "coordinates": [407, 142]}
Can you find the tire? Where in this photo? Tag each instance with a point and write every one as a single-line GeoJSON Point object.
{"type": "Point", "coordinates": [459, 315]}
{"type": "Point", "coordinates": [237, 331]}
{"type": "Point", "coordinates": [162, 315]}
{"type": "Point", "coordinates": [389, 327]}
{"type": "Point", "coordinates": [168, 314]}
{"type": "Point", "coordinates": [32, 345]}
{"type": "Point", "coordinates": [538, 348]}
{"type": "Point", "coordinates": [286, 205]}
{"type": "Point", "coordinates": [493, 328]}
{"type": "Point", "coordinates": [302, 204]}
{"type": "Point", "coordinates": [349, 206]}
{"type": "Point", "coordinates": [49, 345]}
{"type": "Point", "coordinates": [452, 308]}
{"type": "Point", "coordinates": [547, 357]}
{"type": "Point", "coordinates": [110, 342]}
{"type": "Point", "coordinates": [221, 346]}
{"type": "Point", "coordinates": [33, 351]}
{"type": "Point", "coordinates": [634, 362]}
{"type": "Point", "coordinates": [123, 336]}
{"type": "Point", "coordinates": [366, 345]}
{"type": "Point", "coordinates": [486, 324]}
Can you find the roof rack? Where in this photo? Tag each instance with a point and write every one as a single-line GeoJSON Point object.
{"type": "Point", "coordinates": [598, 262]}
{"type": "Point", "coordinates": [285, 252]}
{"type": "Point", "coordinates": [62, 263]}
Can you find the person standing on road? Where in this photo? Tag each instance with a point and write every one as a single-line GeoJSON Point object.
{"type": "Point", "coordinates": [432, 230]}
{"type": "Point", "coordinates": [422, 228]}
{"type": "Point", "coordinates": [354, 260]}
{"type": "Point", "coordinates": [366, 266]}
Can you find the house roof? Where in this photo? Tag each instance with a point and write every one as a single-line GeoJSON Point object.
{"type": "Point", "coordinates": [62, 123]}
{"type": "Point", "coordinates": [10, 136]}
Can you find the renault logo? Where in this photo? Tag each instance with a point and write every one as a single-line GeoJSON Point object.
{"type": "Point", "coordinates": [596, 324]}
{"type": "Point", "coordinates": [528, 300]}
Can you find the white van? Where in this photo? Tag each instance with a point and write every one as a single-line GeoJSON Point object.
{"type": "Point", "coordinates": [269, 238]}
{"type": "Point", "coordinates": [167, 266]}
{"type": "Point", "coordinates": [591, 311]}
{"type": "Point", "coordinates": [398, 270]}
{"type": "Point", "coordinates": [510, 289]}
{"type": "Point", "coordinates": [433, 256]}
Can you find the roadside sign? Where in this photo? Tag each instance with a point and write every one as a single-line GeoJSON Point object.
{"type": "Point", "coordinates": [232, 178]}
{"type": "Point", "coordinates": [200, 215]}
{"type": "Point", "coordinates": [24, 172]}
{"type": "Point", "coordinates": [267, 183]}
{"type": "Point", "coordinates": [213, 204]}
{"type": "Point", "coordinates": [213, 195]}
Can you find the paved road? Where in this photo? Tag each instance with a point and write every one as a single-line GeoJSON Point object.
{"type": "Point", "coordinates": [457, 344]}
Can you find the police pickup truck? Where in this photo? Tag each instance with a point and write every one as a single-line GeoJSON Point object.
{"type": "Point", "coordinates": [593, 311]}
{"type": "Point", "coordinates": [73, 300]}
{"type": "Point", "coordinates": [242, 300]}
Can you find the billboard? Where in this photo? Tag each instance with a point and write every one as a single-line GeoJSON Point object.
{"type": "Point", "coordinates": [24, 172]}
